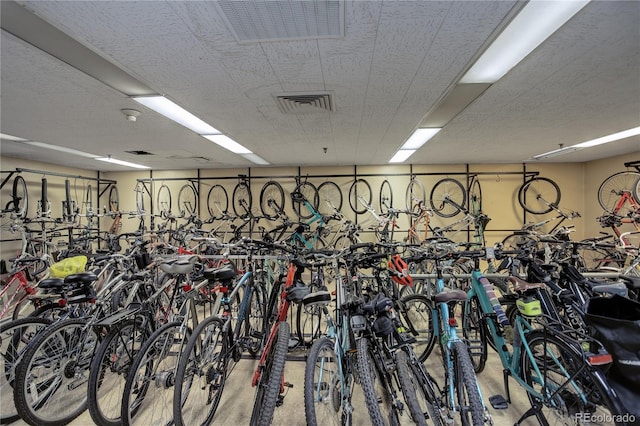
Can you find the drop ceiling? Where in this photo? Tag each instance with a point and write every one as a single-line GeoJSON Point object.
{"type": "Point", "coordinates": [382, 66]}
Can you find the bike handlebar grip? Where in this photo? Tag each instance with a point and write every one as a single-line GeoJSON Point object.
{"type": "Point", "coordinates": [354, 247]}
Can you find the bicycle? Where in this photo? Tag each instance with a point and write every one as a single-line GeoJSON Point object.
{"type": "Point", "coordinates": [19, 203]}
{"type": "Point", "coordinates": [618, 194]}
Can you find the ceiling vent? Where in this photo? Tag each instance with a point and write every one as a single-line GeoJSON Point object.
{"type": "Point", "coordinates": [139, 152]}
{"type": "Point", "coordinates": [305, 103]}
{"type": "Point", "coordinates": [269, 20]}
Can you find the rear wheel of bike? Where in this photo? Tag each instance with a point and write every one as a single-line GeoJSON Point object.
{"type": "Point", "coordinates": [14, 338]}
{"type": "Point", "coordinates": [272, 199]}
{"type": "Point", "coordinates": [475, 333]}
{"type": "Point", "coordinates": [268, 387]}
{"type": "Point", "coordinates": [613, 187]}
{"type": "Point", "coordinates": [241, 200]}
{"type": "Point", "coordinates": [360, 192]}
{"type": "Point", "coordinates": [51, 379]}
{"type": "Point", "coordinates": [376, 395]}
{"type": "Point", "coordinates": [415, 193]}
{"type": "Point", "coordinates": [519, 241]}
{"type": "Point", "coordinates": [109, 369]}
{"type": "Point", "coordinates": [114, 198]}
{"type": "Point", "coordinates": [416, 315]}
{"type": "Point", "coordinates": [310, 193]}
{"type": "Point", "coordinates": [201, 374]}
{"type": "Point", "coordinates": [310, 323]}
{"type": "Point", "coordinates": [164, 200]}
{"type": "Point", "coordinates": [148, 392]}
{"type": "Point", "coordinates": [385, 199]}
{"type": "Point", "coordinates": [539, 195]}
{"type": "Point", "coordinates": [557, 370]}
{"type": "Point", "coordinates": [217, 201]}
{"type": "Point", "coordinates": [475, 197]}
{"type": "Point", "coordinates": [410, 387]}
{"type": "Point", "coordinates": [254, 319]}
{"type": "Point", "coordinates": [322, 386]}
{"type": "Point", "coordinates": [20, 197]}
{"type": "Point", "coordinates": [330, 197]}
{"type": "Point", "coordinates": [447, 197]}
{"type": "Point", "coordinates": [467, 392]}
{"type": "Point", "coordinates": [187, 200]}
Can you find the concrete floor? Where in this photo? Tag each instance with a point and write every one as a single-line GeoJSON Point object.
{"type": "Point", "coordinates": [237, 400]}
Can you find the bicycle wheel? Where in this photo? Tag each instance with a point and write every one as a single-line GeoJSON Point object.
{"type": "Point", "coordinates": [323, 397]}
{"type": "Point", "coordinates": [88, 200]}
{"type": "Point", "coordinates": [272, 200]}
{"type": "Point", "coordinates": [68, 203]}
{"type": "Point", "coordinates": [475, 196]}
{"type": "Point", "coordinates": [377, 397]}
{"type": "Point", "coordinates": [556, 370]}
{"type": "Point", "coordinates": [614, 187]}
{"type": "Point", "coordinates": [539, 195]}
{"type": "Point", "coordinates": [310, 324]}
{"type": "Point", "coordinates": [268, 386]}
{"type": "Point", "coordinates": [241, 200]}
{"type": "Point", "coordinates": [416, 314]}
{"type": "Point", "coordinates": [419, 394]}
{"type": "Point", "coordinates": [636, 190]}
{"type": "Point", "coordinates": [14, 338]}
{"type": "Point", "coordinates": [475, 333]}
{"type": "Point", "coordinates": [114, 198]}
{"type": "Point", "coordinates": [51, 379]}
{"type": "Point", "coordinates": [109, 369]}
{"type": "Point", "coordinates": [140, 190]}
{"type": "Point", "coordinates": [448, 197]}
{"type": "Point", "coordinates": [518, 241]}
{"type": "Point", "coordinates": [386, 197]}
{"type": "Point", "coordinates": [330, 196]}
{"type": "Point", "coordinates": [415, 192]}
{"type": "Point", "coordinates": [217, 201]}
{"type": "Point", "coordinates": [467, 392]}
{"type": "Point", "coordinates": [44, 200]}
{"type": "Point", "coordinates": [254, 318]}
{"type": "Point", "coordinates": [187, 200]}
{"type": "Point", "coordinates": [20, 197]}
{"type": "Point", "coordinates": [360, 192]}
{"type": "Point", "coordinates": [164, 200]}
{"type": "Point", "coordinates": [148, 391]}
{"type": "Point", "coordinates": [310, 193]}
{"type": "Point", "coordinates": [201, 374]}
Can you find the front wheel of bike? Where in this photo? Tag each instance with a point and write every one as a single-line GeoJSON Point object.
{"type": "Point", "coordinates": [556, 370]}
{"type": "Point", "coordinates": [467, 392]}
{"type": "Point", "coordinates": [268, 387]}
{"type": "Point", "coordinates": [201, 374]}
{"type": "Point", "coordinates": [475, 333]}
{"type": "Point", "coordinates": [416, 314]}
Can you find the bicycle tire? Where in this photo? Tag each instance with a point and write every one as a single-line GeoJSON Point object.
{"type": "Point", "coordinates": [44, 403]}
{"type": "Point", "coordinates": [517, 241]}
{"type": "Point", "coordinates": [150, 383]}
{"type": "Point", "coordinates": [88, 199]}
{"type": "Point", "coordinates": [310, 193]}
{"type": "Point", "coordinates": [163, 200]}
{"type": "Point", "coordinates": [475, 196]}
{"type": "Point", "coordinates": [109, 368]}
{"type": "Point", "coordinates": [447, 189]}
{"type": "Point", "coordinates": [201, 374]}
{"type": "Point", "coordinates": [114, 198]}
{"type": "Point", "coordinates": [550, 373]}
{"type": "Point", "coordinates": [330, 197]}
{"type": "Point", "coordinates": [68, 210]}
{"type": "Point", "coordinates": [187, 200]}
{"type": "Point", "coordinates": [268, 387]}
{"type": "Point", "coordinates": [539, 195]}
{"type": "Point", "coordinates": [272, 200]}
{"type": "Point", "coordinates": [44, 199]}
{"type": "Point", "coordinates": [309, 323]}
{"type": "Point", "coordinates": [466, 384]}
{"type": "Point", "coordinates": [254, 318]}
{"type": "Point", "coordinates": [376, 396]}
{"type": "Point", "coordinates": [385, 197]}
{"type": "Point", "coordinates": [19, 197]}
{"type": "Point", "coordinates": [218, 201]}
{"type": "Point", "coordinates": [343, 242]}
{"type": "Point", "coordinates": [139, 190]}
{"type": "Point", "coordinates": [415, 191]}
{"type": "Point", "coordinates": [475, 333]}
{"type": "Point", "coordinates": [14, 337]}
{"type": "Point", "coordinates": [636, 190]}
{"type": "Point", "coordinates": [612, 188]}
{"type": "Point", "coordinates": [410, 388]}
{"type": "Point", "coordinates": [418, 315]}
{"type": "Point", "coordinates": [360, 188]}
{"type": "Point", "coordinates": [241, 200]}
{"type": "Point", "coordinates": [322, 386]}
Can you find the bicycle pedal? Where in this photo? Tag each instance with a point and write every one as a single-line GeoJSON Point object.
{"type": "Point", "coordinates": [498, 402]}
{"type": "Point", "coordinates": [280, 400]}
{"type": "Point", "coordinates": [288, 385]}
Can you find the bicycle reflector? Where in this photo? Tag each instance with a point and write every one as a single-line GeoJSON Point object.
{"type": "Point", "coordinates": [529, 306]}
{"type": "Point", "coordinates": [401, 270]}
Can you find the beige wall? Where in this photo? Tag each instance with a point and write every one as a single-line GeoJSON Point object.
{"type": "Point", "coordinates": [578, 183]}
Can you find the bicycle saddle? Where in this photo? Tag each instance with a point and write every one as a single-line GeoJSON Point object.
{"type": "Point", "coordinates": [297, 292]}
{"type": "Point", "coordinates": [450, 295]}
{"type": "Point", "coordinates": [522, 286]}
{"type": "Point", "coordinates": [322, 297]}
{"type": "Point", "coordinates": [223, 273]}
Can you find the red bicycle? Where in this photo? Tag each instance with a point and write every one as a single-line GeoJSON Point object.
{"type": "Point", "coordinates": [19, 285]}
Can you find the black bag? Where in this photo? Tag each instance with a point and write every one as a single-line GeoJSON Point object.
{"type": "Point", "coordinates": [616, 321]}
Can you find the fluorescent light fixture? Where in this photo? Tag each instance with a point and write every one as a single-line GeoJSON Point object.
{"type": "Point", "coordinates": [227, 143]}
{"type": "Point", "coordinates": [255, 159]}
{"type": "Point", "coordinates": [122, 163]}
{"type": "Point", "coordinates": [402, 155]}
{"type": "Point", "coordinates": [12, 138]}
{"type": "Point", "coordinates": [61, 149]}
{"type": "Point", "coordinates": [164, 106]}
{"type": "Point", "coordinates": [537, 20]}
{"type": "Point", "coordinates": [588, 144]}
{"type": "Point", "coordinates": [419, 138]}
{"type": "Point", "coordinates": [606, 139]}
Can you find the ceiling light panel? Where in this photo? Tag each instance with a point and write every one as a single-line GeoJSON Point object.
{"type": "Point", "coordinates": [260, 20]}
{"type": "Point", "coordinates": [228, 143]}
{"type": "Point", "coordinates": [169, 109]}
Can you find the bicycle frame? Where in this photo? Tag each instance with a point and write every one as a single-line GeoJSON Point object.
{"type": "Point", "coordinates": [316, 217]}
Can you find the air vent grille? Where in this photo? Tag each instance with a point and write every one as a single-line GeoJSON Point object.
{"type": "Point", "coordinates": [139, 152]}
{"type": "Point", "coordinates": [305, 103]}
{"type": "Point", "coordinates": [261, 20]}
